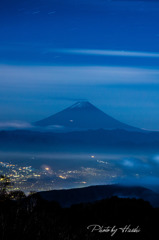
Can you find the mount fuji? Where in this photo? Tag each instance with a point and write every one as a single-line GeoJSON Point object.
{"type": "Point", "coordinates": [83, 116]}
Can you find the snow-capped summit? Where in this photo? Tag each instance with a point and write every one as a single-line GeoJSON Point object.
{"type": "Point", "coordinates": [83, 115]}
{"type": "Point", "coordinates": [81, 104]}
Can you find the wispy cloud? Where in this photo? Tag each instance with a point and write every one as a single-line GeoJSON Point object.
{"type": "Point", "coordinates": [100, 52]}
{"type": "Point", "coordinates": [31, 76]}
{"type": "Point", "coordinates": [15, 125]}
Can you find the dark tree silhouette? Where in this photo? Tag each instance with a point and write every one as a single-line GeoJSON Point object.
{"type": "Point", "coordinates": [4, 185]}
{"type": "Point", "coordinates": [16, 195]}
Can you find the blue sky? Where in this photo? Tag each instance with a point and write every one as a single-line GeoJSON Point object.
{"type": "Point", "coordinates": [53, 53]}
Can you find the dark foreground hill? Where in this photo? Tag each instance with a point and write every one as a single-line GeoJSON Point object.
{"type": "Point", "coordinates": [114, 218]}
{"type": "Point", "coordinates": [68, 197]}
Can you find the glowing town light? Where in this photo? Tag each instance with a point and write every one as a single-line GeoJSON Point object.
{"type": "Point", "coordinates": [63, 177]}
{"type": "Point", "coordinates": [47, 168]}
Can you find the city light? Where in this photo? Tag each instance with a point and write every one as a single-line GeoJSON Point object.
{"type": "Point", "coordinates": [63, 177]}
{"type": "Point", "coordinates": [47, 168]}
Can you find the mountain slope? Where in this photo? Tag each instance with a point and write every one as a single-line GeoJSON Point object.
{"type": "Point", "coordinates": [68, 197]}
{"type": "Point", "coordinates": [83, 115]}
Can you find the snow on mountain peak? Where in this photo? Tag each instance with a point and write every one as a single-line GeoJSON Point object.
{"type": "Point", "coordinates": [82, 104]}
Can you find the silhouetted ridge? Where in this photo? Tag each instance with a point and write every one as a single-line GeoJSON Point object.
{"type": "Point", "coordinates": [68, 197]}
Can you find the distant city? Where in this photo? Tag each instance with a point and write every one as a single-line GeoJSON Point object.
{"type": "Point", "coordinates": [94, 171]}
{"type": "Point", "coordinates": [27, 178]}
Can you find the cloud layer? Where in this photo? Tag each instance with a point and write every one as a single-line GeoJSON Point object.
{"type": "Point", "coordinates": [57, 75]}
{"type": "Point", "coordinates": [15, 125]}
{"type": "Point", "coordinates": [99, 52]}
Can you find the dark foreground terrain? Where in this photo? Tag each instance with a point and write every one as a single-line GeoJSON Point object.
{"type": "Point", "coordinates": [112, 218]}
